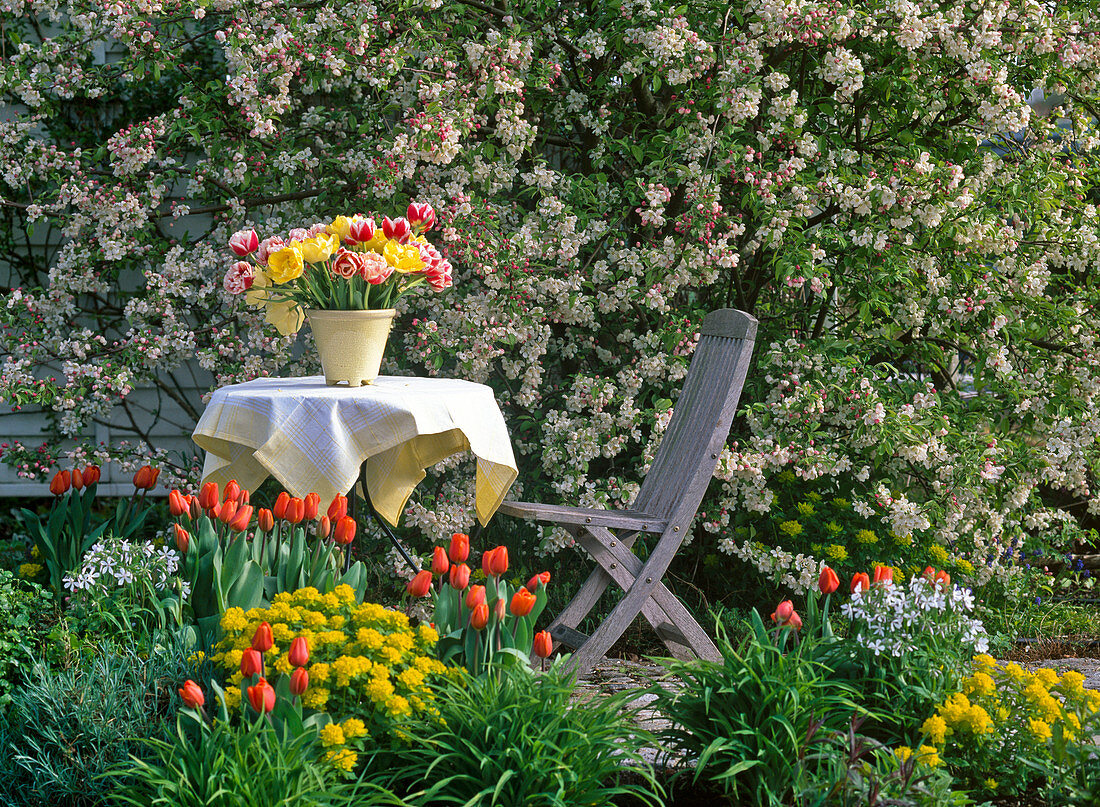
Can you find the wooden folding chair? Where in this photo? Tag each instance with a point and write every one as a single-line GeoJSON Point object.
{"type": "Point", "coordinates": [666, 504]}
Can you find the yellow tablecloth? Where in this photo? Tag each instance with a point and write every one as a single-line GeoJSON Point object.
{"type": "Point", "coordinates": [312, 437]}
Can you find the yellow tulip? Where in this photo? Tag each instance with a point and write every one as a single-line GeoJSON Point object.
{"type": "Point", "coordinates": [257, 295]}
{"type": "Point", "coordinates": [378, 243]}
{"type": "Point", "coordinates": [320, 247]}
{"type": "Point", "coordinates": [286, 264]}
{"type": "Point", "coordinates": [403, 259]}
{"type": "Point", "coordinates": [340, 226]}
{"type": "Point", "coordinates": [287, 316]}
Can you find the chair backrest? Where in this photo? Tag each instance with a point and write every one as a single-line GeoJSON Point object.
{"type": "Point", "coordinates": [701, 420]}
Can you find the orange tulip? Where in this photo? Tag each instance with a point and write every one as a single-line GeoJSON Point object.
{"type": "Point", "coordinates": [460, 576]}
{"type": "Point", "coordinates": [177, 505]}
{"type": "Point", "coordinates": [479, 616]}
{"type": "Point", "coordinates": [795, 621]}
{"type": "Point", "coordinates": [460, 547]}
{"type": "Point", "coordinates": [338, 509]}
{"type": "Point", "coordinates": [522, 602]}
{"type": "Point", "coordinates": [943, 579]}
{"type": "Point", "coordinates": [77, 479]}
{"type": "Point", "coordinates": [884, 575]}
{"type": "Point", "coordinates": [783, 611]}
{"type": "Point", "coordinates": [183, 539]}
{"type": "Point", "coordinates": [281, 503]}
{"type": "Point", "coordinates": [227, 511]}
{"type": "Point", "coordinates": [243, 497]}
{"type": "Point", "coordinates": [311, 504]}
{"type": "Point", "coordinates": [91, 475]}
{"type": "Point", "coordinates": [299, 681]}
{"type": "Point", "coordinates": [196, 508]}
{"type": "Point", "coordinates": [191, 695]}
{"type": "Point", "coordinates": [861, 581]}
{"type": "Point", "coordinates": [828, 582]}
{"type": "Point", "coordinates": [262, 696]}
{"type": "Point", "coordinates": [209, 498]}
{"type": "Point", "coordinates": [495, 561]}
{"type": "Point", "coordinates": [295, 510]}
{"type": "Point", "coordinates": [265, 520]}
{"type": "Point", "coordinates": [299, 652]}
{"type": "Point", "coordinates": [324, 527]}
{"type": "Point", "coordinates": [252, 663]}
{"type": "Point", "coordinates": [420, 585]}
{"type": "Point", "coordinates": [345, 531]}
{"type": "Point", "coordinates": [232, 491]}
{"type": "Point", "coordinates": [542, 578]}
{"type": "Point", "coordinates": [475, 597]}
{"type": "Point", "coordinates": [241, 519]}
{"type": "Point", "coordinates": [499, 608]}
{"type": "Point", "coordinates": [440, 564]}
{"type": "Point", "coordinates": [543, 644]}
{"type": "Point", "coordinates": [262, 639]}
{"type": "Point", "coordinates": [59, 485]}
{"type": "Point", "coordinates": [146, 477]}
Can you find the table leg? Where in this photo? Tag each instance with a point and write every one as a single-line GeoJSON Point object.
{"type": "Point", "coordinates": [380, 521]}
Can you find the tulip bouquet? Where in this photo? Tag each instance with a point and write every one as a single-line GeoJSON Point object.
{"type": "Point", "coordinates": [236, 555]}
{"type": "Point", "coordinates": [72, 528]}
{"type": "Point", "coordinates": [350, 264]}
{"type": "Point", "coordinates": [482, 625]}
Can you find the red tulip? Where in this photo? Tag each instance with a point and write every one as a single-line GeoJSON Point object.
{"type": "Point", "coordinates": [243, 497]}
{"type": "Point", "coordinates": [59, 485]}
{"type": "Point", "coordinates": [460, 547]}
{"type": "Point", "coordinates": [360, 231]}
{"type": "Point", "coordinates": [324, 527]}
{"type": "Point", "coordinates": [522, 602]}
{"type": "Point", "coordinates": [311, 504]}
{"type": "Point", "coordinates": [828, 582]}
{"type": "Point", "coordinates": [196, 508]}
{"type": "Point", "coordinates": [232, 491]}
{"type": "Point", "coordinates": [262, 696]}
{"type": "Point", "coordinates": [861, 581]}
{"type": "Point", "coordinates": [77, 479]}
{"type": "Point", "coordinates": [252, 663]}
{"type": "Point", "coordinates": [242, 518]}
{"type": "Point", "coordinates": [209, 497]}
{"type": "Point", "coordinates": [943, 579]}
{"type": "Point", "coordinates": [282, 501]}
{"type": "Point", "coordinates": [338, 508]}
{"type": "Point", "coordinates": [299, 681]}
{"type": "Point", "coordinates": [265, 520]}
{"type": "Point", "coordinates": [191, 695]}
{"type": "Point", "coordinates": [183, 539]}
{"type": "Point", "coordinates": [542, 578]}
{"type": "Point", "coordinates": [499, 608]}
{"type": "Point", "coordinates": [543, 644]}
{"type": "Point", "coordinates": [227, 511]}
{"type": "Point", "coordinates": [397, 229]}
{"type": "Point", "coordinates": [345, 531]}
{"type": "Point", "coordinates": [91, 475]}
{"type": "Point", "coordinates": [460, 576]}
{"type": "Point", "coordinates": [146, 477]}
{"type": "Point", "coordinates": [299, 652]}
{"type": "Point", "coordinates": [177, 505]}
{"type": "Point", "coordinates": [795, 621]}
{"type": "Point", "coordinates": [295, 510]}
{"type": "Point", "coordinates": [475, 597]}
{"type": "Point", "coordinates": [420, 585]}
{"type": "Point", "coordinates": [420, 216]}
{"type": "Point", "coordinates": [495, 561]}
{"type": "Point", "coordinates": [262, 639]}
{"type": "Point", "coordinates": [783, 611]}
{"type": "Point", "coordinates": [884, 575]}
{"type": "Point", "coordinates": [244, 242]}
{"type": "Point", "coordinates": [440, 564]}
{"type": "Point", "coordinates": [479, 616]}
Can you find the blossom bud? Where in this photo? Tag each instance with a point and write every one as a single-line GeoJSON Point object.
{"type": "Point", "coordinates": [440, 564]}
{"type": "Point", "coordinates": [460, 575]}
{"type": "Point", "coordinates": [299, 652]}
{"type": "Point", "coordinates": [244, 242]}
{"type": "Point", "coordinates": [420, 585]}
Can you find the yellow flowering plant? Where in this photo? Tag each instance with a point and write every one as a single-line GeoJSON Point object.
{"type": "Point", "coordinates": [348, 264]}
{"type": "Point", "coordinates": [368, 668]}
{"type": "Point", "coordinates": [1015, 729]}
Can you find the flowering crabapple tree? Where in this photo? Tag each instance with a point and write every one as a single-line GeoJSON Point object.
{"type": "Point", "coordinates": [904, 193]}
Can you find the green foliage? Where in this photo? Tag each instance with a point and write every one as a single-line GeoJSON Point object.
{"type": "Point", "coordinates": [234, 764]}
{"type": "Point", "coordinates": [66, 731]}
{"type": "Point", "coordinates": [23, 607]}
{"type": "Point", "coordinates": [516, 738]}
{"type": "Point", "coordinates": [745, 721]}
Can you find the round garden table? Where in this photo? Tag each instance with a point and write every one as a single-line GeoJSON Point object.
{"type": "Point", "coordinates": [316, 438]}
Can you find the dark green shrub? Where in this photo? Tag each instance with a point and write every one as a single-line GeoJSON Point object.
{"type": "Point", "coordinates": [24, 611]}
{"type": "Point", "coordinates": [66, 731]}
{"type": "Point", "coordinates": [516, 738]}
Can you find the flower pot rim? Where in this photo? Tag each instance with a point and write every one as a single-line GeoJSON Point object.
{"type": "Point", "coordinates": [309, 312]}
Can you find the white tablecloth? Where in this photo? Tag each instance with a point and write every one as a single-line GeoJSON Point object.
{"type": "Point", "coordinates": [312, 437]}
